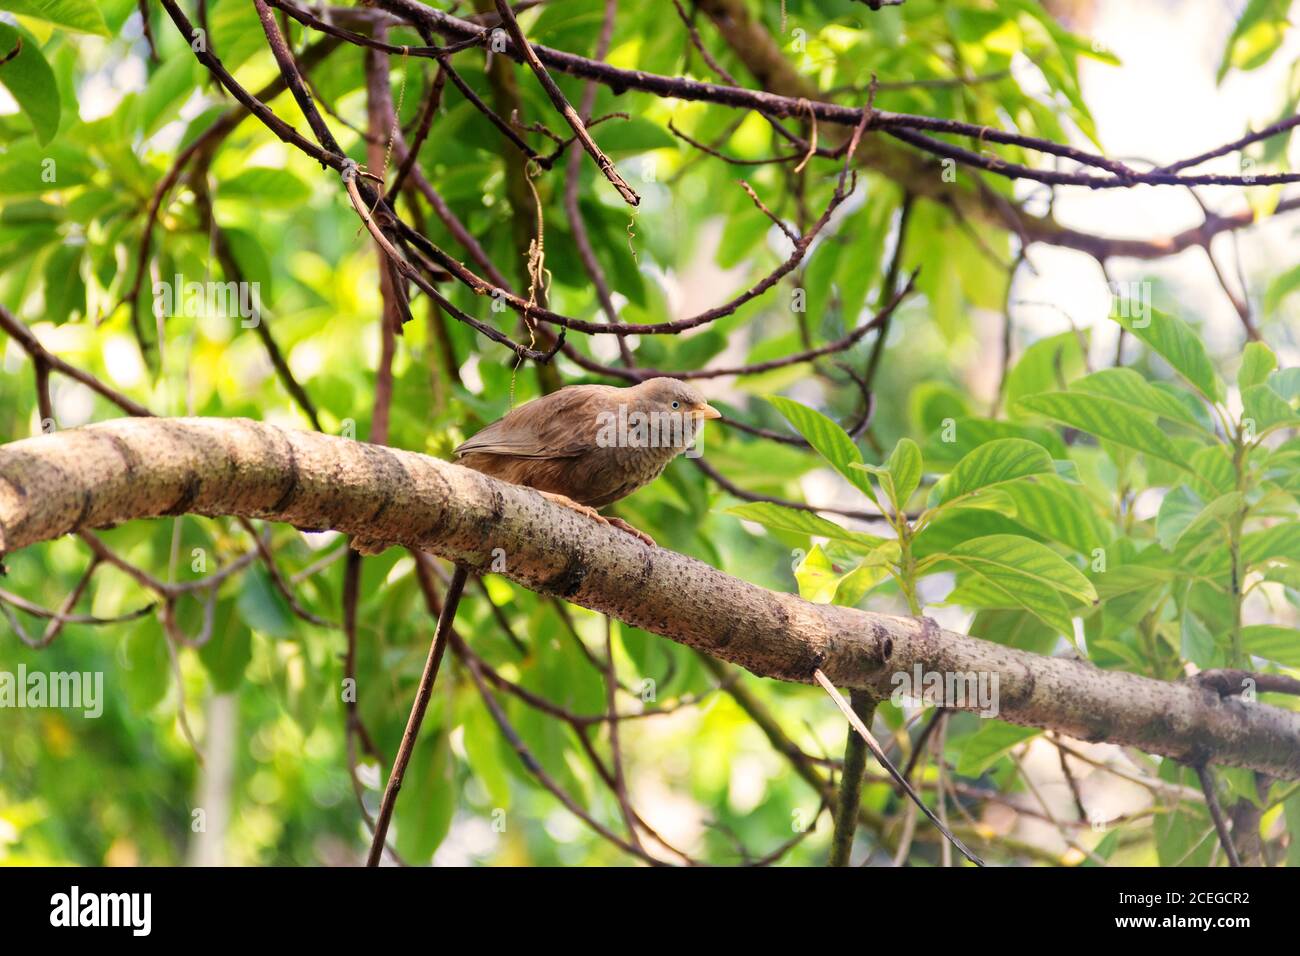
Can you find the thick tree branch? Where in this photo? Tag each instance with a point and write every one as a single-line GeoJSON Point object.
{"type": "Point", "coordinates": [128, 469]}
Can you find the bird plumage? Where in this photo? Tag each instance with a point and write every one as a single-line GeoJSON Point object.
{"type": "Point", "coordinates": [555, 443]}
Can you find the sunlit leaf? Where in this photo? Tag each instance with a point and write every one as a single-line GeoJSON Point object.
{"type": "Point", "coordinates": [29, 79]}
{"type": "Point", "coordinates": [788, 519]}
{"type": "Point", "coordinates": [1176, 342]}
{"type": "Point", "coordinates": [1027, 558]}
{"type": "Point", "coordinates": [993, 463]}
{"type": "Point", "coordinates": [904, 466]}
{"type": "Point", "coordinates": [80, 15]}
{"type": "Point", "coordinates": [993, 741]}
{"type": "Point", "coordinates": [828, 438]}
{"type": "Point", "coordinates": [1257, 361]}
{"type": "Point", "coordinates": [1106, 418]}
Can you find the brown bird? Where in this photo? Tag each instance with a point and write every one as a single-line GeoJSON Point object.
{"type": "Point", "coordinates": [586, 446]}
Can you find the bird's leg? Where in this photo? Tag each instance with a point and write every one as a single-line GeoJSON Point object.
{"type": "Point", "coordinates": [593, 513]}
{"type": "Point", "coordinates": [568, 502]}
{"type": "Point", "coordinates": [630, 529]}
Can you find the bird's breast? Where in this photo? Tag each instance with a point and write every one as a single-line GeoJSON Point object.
{"type": "Point", "coordinates": [605, 475]}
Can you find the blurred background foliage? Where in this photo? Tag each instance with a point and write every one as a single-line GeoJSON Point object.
{"type": "Point", "coordinates": [262, 696]}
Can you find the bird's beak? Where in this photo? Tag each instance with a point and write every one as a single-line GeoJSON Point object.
{"type": "Point", "coordinates": [706, 411]}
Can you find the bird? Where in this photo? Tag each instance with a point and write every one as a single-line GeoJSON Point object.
{"type": "Point", "coordinates": [586, 446]}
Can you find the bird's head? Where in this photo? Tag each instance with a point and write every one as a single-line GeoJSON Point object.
{"type": "Point", "coordinates": [671, 395]}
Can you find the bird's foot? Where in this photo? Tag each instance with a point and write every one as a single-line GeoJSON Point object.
{"type": "Point", "coordinates": [575, 506]}
{"type": "Point", "coordinates": [630, 529]}
{"type": "Point", "coordinates": [590, 512]}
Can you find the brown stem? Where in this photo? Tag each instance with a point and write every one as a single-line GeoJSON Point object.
{"type": "Point", "coordinates": [603, 162]}
{"type": "Point", "coordinates": [431, 664]}
{"type": "Point", "coordinates": [1206, 777]}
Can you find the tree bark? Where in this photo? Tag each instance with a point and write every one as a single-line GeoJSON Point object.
{"type": "Point", "coordinates": [128, 469]}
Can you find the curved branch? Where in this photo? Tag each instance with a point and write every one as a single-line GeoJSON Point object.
{"type": "Point", "coordinates": [136, 468]}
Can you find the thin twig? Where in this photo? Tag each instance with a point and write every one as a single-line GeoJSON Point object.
{"type": "Point", "coordinates": [603, 162]}
{"type": "Point", "coordinates": [1206, 777]}
{"type": "Point", "coordinates": [878, 752]}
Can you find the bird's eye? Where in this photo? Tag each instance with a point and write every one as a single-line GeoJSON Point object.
{"type": "Point", "coordinates": [677, 404]}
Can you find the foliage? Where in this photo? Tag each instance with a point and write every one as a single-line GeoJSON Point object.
{"type": "Point", "coordinates": [1143, 515]}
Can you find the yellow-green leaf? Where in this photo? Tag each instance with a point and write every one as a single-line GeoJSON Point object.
{"type": "Point", "coordinates": [1176, 342]}
{"type": "Point", "coordinates": [993, 463]}
{"type": "Point", "coordinates": [1106, 418]}
{"type": "Point", "coordinates": [80, 15]}
{"type": "Point", "coordinates": [29, 79]}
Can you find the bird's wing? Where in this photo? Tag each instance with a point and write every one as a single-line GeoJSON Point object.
{"type": "Point", "coordinates": [562, 424]}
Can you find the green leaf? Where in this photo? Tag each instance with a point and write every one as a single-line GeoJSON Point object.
{"type": "Point", "coordinates": [1029, 559]}
{"type": "Point", "coordinates": [146, 665]}
{"type": "Point", "coordinates": [973, 519]}
{"type": "Point", "coordinates": [1127, 386]}
{"type": "Point", "coordinates": [1292, 813]}
{"type": "Point", "coordinates": [424, 817]}
{"type": "Point", "coordinates": [989, 744]}
{"type": "Point", "coordinates": [883, 478]}
{"type": "Point", "coordinates": [1107, 419]}
{"type": "Point", "coordinates": [931, 403]}
{"type": "Point", "coordinates": [905, 465]}
{"type": "Point", "coordinates": [634, 135]}
{"type": "Point", "coordinates": [1177, 510]}
{"type": "Point", "coordinates": [994, 463]}
{"type": "Point", "coordinates": [822, 582]}
{"type": "Point", "coordinates": [167, 89]}
{"type": "Point", "coordinates": [1184, 836]}
{"type": "Point", "coordinates": [80, 15]}
{"type": "Point", "coordinates": [26, 167]}
{"type": "Point", "coordinates": [1272, 642]}
{"type": "Point", "coordinates": [1103, 851]}
{"type": "Point", "coordinates": [1258, 33]}
{"type": "Point", "coordinates": [947, 447]}
{"type": "Point", "coordinates": [262, 607]}
{"type": "Point", "coordinates": [1202, 528]}
{"type": "Point", "coordinates": [1282, 286]}
{"type": "Point", "coordinates": [65, 289]}
{"type": "Point", "coordinates": [830, 441]}
{"type": "Point", "coordinates": [1176, 342]}
{"type": "Point", "coordinates": [1212, 471]}
{"type": "Point", "coordinates": [483, 753]}
{"type": "Point", "coordinates": [817, 577]}
{"type": "Point", "coordinates": [1266, 410]}
{"type": "Point", "coordinates": [266, 186]}
{"type": "Point", "coordinates": [1047, 365]}
{"type": "Point", "coordinates": [1127, 578]}
{"type": "Point", "coordinates": [872, 570]}
{"type": "Point", "coordinates": [781, 518]}
{"type": "Point", "coordinates": [1257, 360]}
{"type": "Point", "coordinates": [1060, 511]}
{"type": "Point", "coordinates": [1197, 644]}
{"type": "Point", "coordinates": [228, 651]}
{"type": "Point", "coordinates": [1014, 628]}
{"type": "Point", "coordinates": [1281, 541]}
{"type": "Point", "coordinates": [1240, 783]}
{"type": "Point", "coordinates": [1286, 382]}
{"type": "Point", "coordinates": [26, 75]}
{"type": "Point", "coordinates": [987, 587]}
{"type": "Point", "coordinates": [254, 264]}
